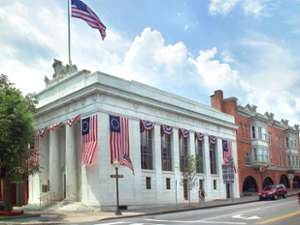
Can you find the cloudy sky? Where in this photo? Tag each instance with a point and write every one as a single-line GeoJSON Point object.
{"type": "Point", "coordinates": [248, 48]}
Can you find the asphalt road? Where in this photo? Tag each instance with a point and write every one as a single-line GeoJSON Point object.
{"type": "Point", "coordinates": [283, 212]}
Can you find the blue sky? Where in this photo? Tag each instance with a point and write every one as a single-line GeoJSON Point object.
{"type": "Point", "coordinates": [248, 48]}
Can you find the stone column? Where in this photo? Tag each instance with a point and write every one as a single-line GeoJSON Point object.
{"type": "Point", "coordinates": [176, 164]}
{"type": "Point", "coordinates": [192, 149]}
{"type": "Point", "coordinates": [71, 164]}
{"type": "Point", "coordinates": [208, 181]}
{"type": "Point", "coordinates": [157, 162]}
{"type": "Point", "coordinates": [54, 167]}
{"type": "Point", "coordinates": [222, 186]}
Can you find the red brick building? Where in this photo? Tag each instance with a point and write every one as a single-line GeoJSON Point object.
{"type": "Point", "coordinates": [268, 150]}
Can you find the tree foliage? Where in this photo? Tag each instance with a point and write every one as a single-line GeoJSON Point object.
{"type": "Point", "coordinates": [16, 130]}
{"type": "Point", "coordinates": [189, 173]}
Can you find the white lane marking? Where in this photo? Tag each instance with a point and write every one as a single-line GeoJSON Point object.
{"type": "Point", "coordinates": [247, 211]}
{"type": "Point", "coordinates": [246, 217]}
{"type": "Point", "coordinates": [109, 223]}
{"type": "Point", "coordinates": [196, 221]}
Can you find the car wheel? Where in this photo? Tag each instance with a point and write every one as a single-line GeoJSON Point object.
{"type": "Point", "coordinates": [260, 198]}
{"type": "Point", "coordinates": [284, 196]}
{"type": "Point", "coordinates": [275, 197]}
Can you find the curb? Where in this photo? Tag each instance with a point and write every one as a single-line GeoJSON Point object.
{"type": "Point", "coordinates": [19, 217]}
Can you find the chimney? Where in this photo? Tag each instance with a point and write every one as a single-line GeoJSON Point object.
{"type": "Point", "coordinates": [216, 100]}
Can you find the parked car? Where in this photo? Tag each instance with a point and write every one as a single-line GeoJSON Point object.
{"type": "Point", "coordinates": [273, 192]}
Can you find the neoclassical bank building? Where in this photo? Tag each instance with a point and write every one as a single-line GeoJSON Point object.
{"type": "Point", "coordinates": [157, 156]}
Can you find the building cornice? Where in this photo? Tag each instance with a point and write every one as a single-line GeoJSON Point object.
{"type": "Point", "coordinates": [134, 92]}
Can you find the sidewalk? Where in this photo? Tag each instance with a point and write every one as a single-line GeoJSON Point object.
{"type": "Point", "coordinates": [71, 217]}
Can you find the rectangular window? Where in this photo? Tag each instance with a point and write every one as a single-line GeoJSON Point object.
{"type": "Point", "coordinates": [146, 150]}
{"type": "Point", "coordinates": [185, 189]}
{"type": "Point", "coordinates": [215, 184]}
{"type": "Point", "coordinates": [255, 153]}
{"type": "Point", "coordinates": [166, 152]}
{"type": "Point", "coordinates": [287, 142]}
{"type": "Point", "coordinates": [183, 151]}
{"type": "Point", "coordinates": [259, 133]}
{"type": "Point", "coordinates": [201, 184]}
{"type": "Point", "coordinates": [213, 158]}
{"type": "Point", "coordinates": [168, 183]}
{"type": "Point", "coordinates": [199, 156]}
{"type": "Point", "coordinates": [253, 132]}
{"type": "Point", "coordinates": [148, 182]}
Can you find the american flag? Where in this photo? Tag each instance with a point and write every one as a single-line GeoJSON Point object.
{"type": "Point", "coordinates": [82, 11]}
{"type": "Point", "coordinates": [89, 132]}
{"type": "Point", "coordinates": [119, 141]}
{"type": "Point", "coordinates": [227, 152]}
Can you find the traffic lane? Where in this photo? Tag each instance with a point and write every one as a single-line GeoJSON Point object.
{"type": "Point", "coordinates": [238, 214]}
{"type": "Point", "coordinates": [263, 212]}
{"type": "Point", "coordinates": [235, 212]}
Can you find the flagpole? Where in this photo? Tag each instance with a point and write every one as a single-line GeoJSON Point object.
{"type": "Point", "coordinates": [69, 33]}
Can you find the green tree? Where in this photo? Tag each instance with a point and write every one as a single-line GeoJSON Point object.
{"type": "Point", "coordinates": [189, 173]}
{"type": "Point", "coordinates": [16, 135]}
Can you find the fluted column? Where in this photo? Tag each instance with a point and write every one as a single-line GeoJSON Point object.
{"type": "Point", "coordinates": [208, 181]}
{"type": "Point", "coordinates": [54, 167]}
{"type": "Point", "coordinates": [71, 165]}
{"type": "Point", "coordinates": [157, 161]}
{"type": "Point", "coordinates": [192, 152]}
{"type": "Point", "coordinates": [222, 186]}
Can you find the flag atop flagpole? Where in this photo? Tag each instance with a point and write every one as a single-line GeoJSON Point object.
{"type": "Point", "coordinates": [82, 11]}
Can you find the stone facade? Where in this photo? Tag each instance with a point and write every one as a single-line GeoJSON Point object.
{"type": "Point", "coordinates": [268, 150]}
{"type": "Point", "coordinates": [63, 177]}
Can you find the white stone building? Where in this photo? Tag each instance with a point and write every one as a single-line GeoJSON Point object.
{"type": "Point", "coordinates": [62, 177]}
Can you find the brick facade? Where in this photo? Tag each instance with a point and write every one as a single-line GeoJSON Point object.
{"type": "Point", "coordinates": [276, 167]}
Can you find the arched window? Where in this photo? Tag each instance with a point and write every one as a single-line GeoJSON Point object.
{"type": "Point", "coordinates": [249, 185]}
{"type": "Point", "coordinates": [284, 180]}
{"type": "Point", "coordinates": [267, 182]}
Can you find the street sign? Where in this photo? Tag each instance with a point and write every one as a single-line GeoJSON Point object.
{"type": "Point", "coordinates": [117, 176]}
{"type": "Point", "coordinates": [228, 173]}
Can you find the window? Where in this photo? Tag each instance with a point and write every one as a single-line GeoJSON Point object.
{"type": "Point", "coordinates": [146, 150]}
{"type": "Point", "coordinates": [253, 132]}
{"type": "Point", "coordinates": [270, 138]}
{"type": "Point", "coordinates": [166, 155]}
{"type": "Point", "coordinates": [168, 183]}
{"type": "Point", "coordinates": [199, 156]}
{"type": "Point", "coordinates": [183, 151]}
{"type": "Point", "coordinates": [255, 154]}
{"type": "Point", "coordinates": [287, 142]}
{"type": "Point", "coordinates": [148, 182]}
{"type": "Point", "coordinates": [201, 184]}
{"type": "Point", "coordinates": [259, 133]}
{"type": "Point", "coordinates": [213, 158]}
{"type": "Point", "coordinates": [215, 184]}
{"type": "Point", "coordinates": [185, 189]}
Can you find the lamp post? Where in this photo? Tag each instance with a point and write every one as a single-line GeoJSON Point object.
{"type": "Point", "coordinates": [117, 176]}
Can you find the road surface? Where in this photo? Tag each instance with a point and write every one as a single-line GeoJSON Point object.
{"type": "Point", "coordinates": [283, 212]}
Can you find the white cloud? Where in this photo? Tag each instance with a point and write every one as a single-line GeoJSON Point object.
{"type": "Point", "coordinates": [249, 7]}
{"type": "Point", "coordinates": [215, 73]}
{"type": "Point", "coordinates": [274, 78]}
{"type": "Point", "coordinates": [221, 6]}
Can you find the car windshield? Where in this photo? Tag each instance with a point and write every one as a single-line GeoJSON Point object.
{"type": "Point", "coordinates": [270, 187]}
